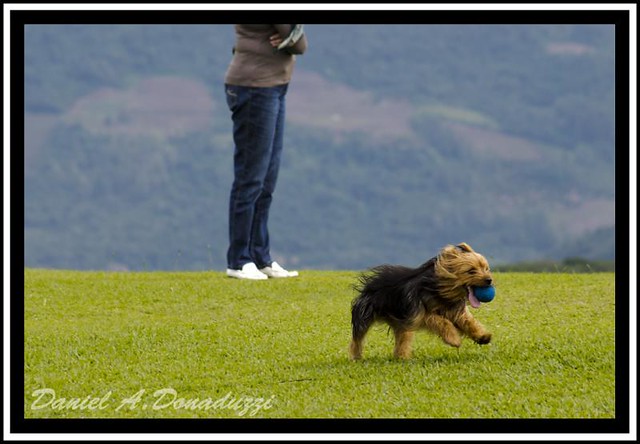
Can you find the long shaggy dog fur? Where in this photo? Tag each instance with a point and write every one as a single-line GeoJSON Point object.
{"type": "Point", "coordinates": [432, 296]}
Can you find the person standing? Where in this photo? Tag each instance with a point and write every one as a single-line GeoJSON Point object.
{"type": "Point", "coordinates": [256, 84]}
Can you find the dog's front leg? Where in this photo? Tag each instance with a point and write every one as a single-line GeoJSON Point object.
{"type": "Point", "coordinates": [472, 328]}
{"type": "Point", "coordinates": [444, 328]}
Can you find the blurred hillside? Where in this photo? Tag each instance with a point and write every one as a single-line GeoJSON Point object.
{"type": "Point", "coordinates": [400, 139]}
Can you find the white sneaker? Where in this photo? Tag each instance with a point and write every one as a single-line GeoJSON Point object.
{"type": "Point", "coordinates": [276, 271]}
{"type": "Point", "coordinates": [249, 271]}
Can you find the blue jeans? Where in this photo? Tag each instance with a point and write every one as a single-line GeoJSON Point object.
{"type": "Point", "coordinates": [258, 124]}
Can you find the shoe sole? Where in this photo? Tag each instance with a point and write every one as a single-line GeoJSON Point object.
{"type": "Point", "coordinates": [288, 275]}
{"type": "Point", "coordinates": [247, 277]}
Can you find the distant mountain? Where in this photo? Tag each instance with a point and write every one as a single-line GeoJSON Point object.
{"type": "Point", "coordinates": [403, 140]}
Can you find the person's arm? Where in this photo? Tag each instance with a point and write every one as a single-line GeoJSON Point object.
{"type": "Point", "coordinates": [283, 32]}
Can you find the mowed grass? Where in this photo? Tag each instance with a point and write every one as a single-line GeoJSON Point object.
{"type": "Point", "coordinates": [200, 344]}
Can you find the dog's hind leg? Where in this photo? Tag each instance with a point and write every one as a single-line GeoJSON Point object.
{"type": "Point", "coordinates": [361, 320]}
{"type": "Point", "coordinates": [355, 348]}
{"type": "Point", "coordinates": [357, 344]}
{"type": "Point", "coordinates": [404, 338]}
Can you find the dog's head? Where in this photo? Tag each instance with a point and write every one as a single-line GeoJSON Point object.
{"type": "Point", "coordinates": [458, 269]}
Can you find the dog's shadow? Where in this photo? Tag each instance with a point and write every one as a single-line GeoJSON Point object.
{"type": "Point", "coordinates": [419, 359]}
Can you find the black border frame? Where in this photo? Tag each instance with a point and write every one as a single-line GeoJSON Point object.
{"type": "Point", "coordinates": [620, 424]}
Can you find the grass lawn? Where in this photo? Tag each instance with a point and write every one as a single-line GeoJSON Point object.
{"type": "Point", "coordinates": [199, 344]}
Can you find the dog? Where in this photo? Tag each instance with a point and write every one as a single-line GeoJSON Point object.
{"type": "Point", "coordinates": [432, 296]}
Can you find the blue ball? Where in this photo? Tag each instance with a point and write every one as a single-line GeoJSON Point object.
{"type": "Point", "coordinates": [485, 294]}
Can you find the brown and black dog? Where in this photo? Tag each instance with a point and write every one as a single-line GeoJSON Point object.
{"type": "Point", "coordinates": [432, 296]}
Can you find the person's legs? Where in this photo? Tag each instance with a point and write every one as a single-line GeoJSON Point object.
{"type": "Point", "coordinates": [255, 114]}
{"type": "Point", "coordinates": [259, 246]}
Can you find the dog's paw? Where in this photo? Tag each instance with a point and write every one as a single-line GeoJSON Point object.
{"type": "Point", "coordinates": [402, 356]}
{"type": "Point", "coordinates": [484, 339]}
{"type": "Point", "coordinates": [355, 351]}
{"type": "Point", "coordinates": [453, 340]}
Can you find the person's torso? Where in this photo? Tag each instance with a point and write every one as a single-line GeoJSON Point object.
{"type": "Point", "coordinates": [255, 63]}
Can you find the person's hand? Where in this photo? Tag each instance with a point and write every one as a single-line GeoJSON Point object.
{"type": "Point", "coordinates": [275, 40]}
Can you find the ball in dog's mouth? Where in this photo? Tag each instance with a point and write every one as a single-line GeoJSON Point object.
{"type": "Point", "coordinates": [478, 295]}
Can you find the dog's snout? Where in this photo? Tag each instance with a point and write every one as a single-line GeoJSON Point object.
{"type": "Point", "coordinates": [488, 281]}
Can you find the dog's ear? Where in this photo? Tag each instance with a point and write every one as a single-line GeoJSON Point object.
{"type": "Point", "coordinates": [465, 247]}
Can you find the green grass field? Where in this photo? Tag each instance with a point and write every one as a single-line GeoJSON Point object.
{"type": "Point", "coordinates": [159, 344]}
